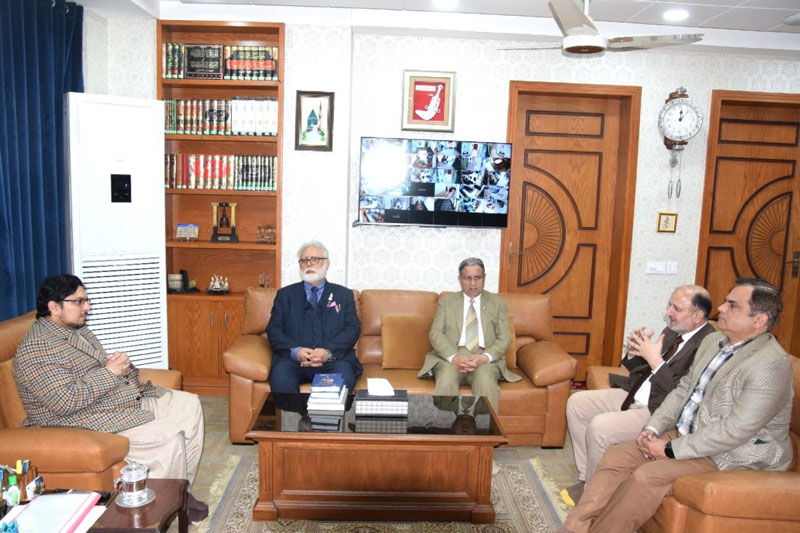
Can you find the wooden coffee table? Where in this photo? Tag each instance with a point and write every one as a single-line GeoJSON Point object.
{"type": "Point", "coordinates": [426, 473]}
{"type": "Point", "coordinates": [155, 516]}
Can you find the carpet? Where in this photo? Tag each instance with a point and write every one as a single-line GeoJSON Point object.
{"type": "Point", "coordinates": [524, 494]}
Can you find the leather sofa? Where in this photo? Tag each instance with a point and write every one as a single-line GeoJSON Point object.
{"type": "Point", "coordinates": [730, 500]}
{"type": "Point", "coordinates": [393, 343]}
{"type": "Point", "coordinates": [65, 457]}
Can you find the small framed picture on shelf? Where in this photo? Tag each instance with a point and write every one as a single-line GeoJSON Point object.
{"type": "Point", "coordinates": [314, 121]}
{"type": "Point", "coordinates": [667, 222]}
{"type": "Point", "coordinates": [428, 100]}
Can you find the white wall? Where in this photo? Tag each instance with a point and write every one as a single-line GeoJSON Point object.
{"type": "Point", "coordinates": [364, 69]}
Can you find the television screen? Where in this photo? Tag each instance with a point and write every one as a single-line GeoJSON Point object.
{"type": "Point", "coordinates": [436, 183]}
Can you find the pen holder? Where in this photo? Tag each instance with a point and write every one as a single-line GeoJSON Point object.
{"type": "Point", "coordinates": [23, 480]}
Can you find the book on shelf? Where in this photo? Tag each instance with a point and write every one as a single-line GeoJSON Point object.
{"type": "Point", "coordinates": [220, 171]}
{"type": "Point", "coordinates": [216, 61]}
{"type": "Point", "coordinates": [378, 424]}
{"type": "Point", "coordinates": [371, 405]}
{"type": "Point", "coordinates": [243, 116]}
{"type": "Point", "coordinates": [327, 382]}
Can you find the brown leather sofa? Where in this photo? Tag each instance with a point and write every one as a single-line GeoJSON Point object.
{"type": "Point", "coordinates": [64, 457]}
{"type": "Point", "coordinates": [393, 342]}
{"type": "Point", "coordinates": [730, 500]}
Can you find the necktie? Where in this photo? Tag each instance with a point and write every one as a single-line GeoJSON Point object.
{"type": "Point", "coordinates": [314, 297]}
{"type": "Point", "coordinates": [471, 337]}
{"type": "Point", "coordinates": [666, 356]}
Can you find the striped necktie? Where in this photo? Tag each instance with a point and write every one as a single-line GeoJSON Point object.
{"type": "Point", "coordinates": [471, 336]}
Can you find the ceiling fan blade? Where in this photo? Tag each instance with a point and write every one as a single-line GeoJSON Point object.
{"type": "Point", "coordinates": [570, 19]}
{"type": "Point", "coordinates": [641, 42]}
{"type": "Point", "coordinates": [534, 46]}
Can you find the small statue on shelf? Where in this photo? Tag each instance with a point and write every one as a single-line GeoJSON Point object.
{"type": "Point", "coordinates": [218, 284]}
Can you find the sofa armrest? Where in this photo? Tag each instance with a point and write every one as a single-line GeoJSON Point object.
{"type": "Point", "coordinates": [742, 494]}
{"type": "Point", "coordinates": [546, 363]}
{"type": "Point", "coordinates": [597, 376]}
{"type": "Point", "coordinates": [167, 379]}
{"type": "Point", "coordinates": [249, 357]}
{"type": "Point", "coordinates": [63, 449]}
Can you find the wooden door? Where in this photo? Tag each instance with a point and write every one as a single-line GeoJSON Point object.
{"type": "Point", "coordinates": [571, 209]}
{"type": "Point", "coordinates": [194, 343]}
{"type": "Point", "coordinates": [750, 225]}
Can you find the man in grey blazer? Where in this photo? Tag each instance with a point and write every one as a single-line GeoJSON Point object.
{"type": "Point", "coordinates": [469, 336]}
{"type": "Point", "coordinates": [730, 411]}
{"type": "Point", "coordinates": [598, 419]}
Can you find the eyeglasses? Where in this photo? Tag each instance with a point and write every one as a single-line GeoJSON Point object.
{"type": "Point", "coordinates": [313, 261]}
{"type": "Point", "coordinates": [469, 279]}
{"type": "Point", "coordinates": [79, 301]}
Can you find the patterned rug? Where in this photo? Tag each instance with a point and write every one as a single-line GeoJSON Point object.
{"type": "Point", "coordinates": [524, 494]}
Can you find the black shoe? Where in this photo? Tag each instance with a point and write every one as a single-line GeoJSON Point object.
{"type": "Point", "coordinates": [197, 510]}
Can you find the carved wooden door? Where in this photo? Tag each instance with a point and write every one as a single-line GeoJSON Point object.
{"type": "Point", "coordinates": [571, 208]}
{"type": "Point", "coordinates": [750, 224]}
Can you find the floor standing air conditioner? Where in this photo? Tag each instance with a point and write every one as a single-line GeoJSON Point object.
{"type": "Point", "coordinates": [115, 215]}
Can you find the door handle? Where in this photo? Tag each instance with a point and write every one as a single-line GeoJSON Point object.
{"type": "Point", "coordinates": [795, 262]}
{"type": "Point", "coordinates": [225, 320]}
{"type": "Point", "coordinates": [211, 318]}
{"type": "Point", "coordinates": [511, 253]}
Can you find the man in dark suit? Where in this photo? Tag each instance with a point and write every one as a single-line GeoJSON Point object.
{"type": "Point", "coordinates": [598, 419]}
{"type": "Point", "coordinates": [313, 326]}
{"type": "Point", "coordinates": [469, 336]}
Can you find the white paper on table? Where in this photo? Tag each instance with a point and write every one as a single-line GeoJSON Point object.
{"type": "Point", "coordinates": [379, 387]}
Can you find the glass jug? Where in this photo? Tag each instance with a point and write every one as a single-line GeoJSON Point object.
{"type": "Point", "coordinates": [132, 486]}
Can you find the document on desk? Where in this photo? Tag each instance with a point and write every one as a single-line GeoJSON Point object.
{"type": "Point", "coordinates": [68, 512]}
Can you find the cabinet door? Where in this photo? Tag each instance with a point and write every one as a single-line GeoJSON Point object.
{"type": "Point", "coordinates": [194, 340]}
{"type": "Point", "coordinates": [230, 327]}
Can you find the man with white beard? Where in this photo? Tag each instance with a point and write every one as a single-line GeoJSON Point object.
{"type": "Point", "coordinates": [313, 326]}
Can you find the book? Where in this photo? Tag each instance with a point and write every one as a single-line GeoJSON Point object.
{"type": "Point", "coordinates": [328, 397]}
{"type": "Point", "coordinates": [326, 383]}
{"type": "Point", "coordinates": [326, 423]}
{"type": "Point", "coordinates": [57, 513]}
{"type": "Point", "coordinates": [370, 405]}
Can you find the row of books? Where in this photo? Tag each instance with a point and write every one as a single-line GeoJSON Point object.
{"type": "Point", "coordinates": [215, 171]}
{"type": "Point", "coordinates": [238, 116]}
{"type": "Point", "coordinates": [215, 61]}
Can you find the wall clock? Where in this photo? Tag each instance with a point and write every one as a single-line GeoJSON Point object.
{"type": "Point", "coordinates": [679, 120]}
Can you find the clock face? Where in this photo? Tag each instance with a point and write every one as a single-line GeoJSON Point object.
{"type": "Point", "coordinates": [680, 119]}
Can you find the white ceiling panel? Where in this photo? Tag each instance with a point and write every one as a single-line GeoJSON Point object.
{"type": "Point", "coordinates": [749, 19]}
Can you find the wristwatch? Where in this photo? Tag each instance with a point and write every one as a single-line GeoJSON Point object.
{"type": "Point", "coordinates": [330, 356]}
{"type": "Point", "coordinates": [668, 450]}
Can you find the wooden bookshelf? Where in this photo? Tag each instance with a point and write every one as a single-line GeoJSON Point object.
{"type": "Point", "coordinates": [201, 325]}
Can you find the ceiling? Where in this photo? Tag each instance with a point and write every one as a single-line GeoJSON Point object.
{"type": "Point", "coordinates": [750, 15]}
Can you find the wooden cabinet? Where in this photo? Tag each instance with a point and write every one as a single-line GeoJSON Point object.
{"type": "Point", "coordinates": [200, 330]}
{"type": "Point", "coordinates": [195, 347]}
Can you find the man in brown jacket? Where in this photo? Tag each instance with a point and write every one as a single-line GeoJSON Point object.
{"type": "Point", "coordinates": [65, 378]}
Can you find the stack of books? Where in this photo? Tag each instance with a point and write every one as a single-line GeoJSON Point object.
{"type": "Point", "coordinates": [395, 405]}
{"type": "Point", "coordinates": [328, 394]}
{"type": "Point", "coordinates": [326, 423]}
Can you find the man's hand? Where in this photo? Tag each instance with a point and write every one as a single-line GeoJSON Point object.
{"type": "Point", "coordinates": [118, 363]}
{"type": "Point", "coordinates": [312, 357]}
{"type": "Point", "coordinates": [468, 363]}
{"type": "Point", "coordinates": [651, 446]}
{"type": "Point", "coordinates": [639, 343]}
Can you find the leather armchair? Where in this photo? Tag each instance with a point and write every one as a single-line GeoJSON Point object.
{"type": "Point", "coordinates": [64, 457]}
{"type": "Point", "coordinates": [730, 500]}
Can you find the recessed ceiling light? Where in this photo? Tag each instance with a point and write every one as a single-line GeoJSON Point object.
{"type": "Point", "coordinates": [444, 5]}
{"type": "Point", "coordinates": [675, 15]}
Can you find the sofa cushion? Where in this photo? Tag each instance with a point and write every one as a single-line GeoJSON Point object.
{"type": "Point", "coordinates": [257, 307]}
{"type": "Point", "coordinates": [12, 413]}
{"type": "Point", "coordinates": [405, 341]}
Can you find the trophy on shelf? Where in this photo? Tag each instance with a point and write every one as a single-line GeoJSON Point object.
{"type": "Point", "coordinates": [224, 227]}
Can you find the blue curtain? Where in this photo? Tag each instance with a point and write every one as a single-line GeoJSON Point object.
{"type": "Point", "coordinates": [40, 59]}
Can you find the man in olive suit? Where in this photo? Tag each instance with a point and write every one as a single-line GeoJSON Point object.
{"type": "Point", "coordinates": [469, 336]}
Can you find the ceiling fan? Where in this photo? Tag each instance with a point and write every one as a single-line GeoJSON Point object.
{"type": "Point", "coordinates": [581, 35]}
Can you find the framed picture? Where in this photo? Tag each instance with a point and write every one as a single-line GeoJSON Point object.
{"type": "Point", "coordinates": [667, 222]}
{"type": "Point", "coordinates": [428, 100]}
{"type": "Point", "coordinates": [314, 121]}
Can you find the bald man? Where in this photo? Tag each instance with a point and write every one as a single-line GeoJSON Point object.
{"type": "Point", "coordinates": [598, 419]}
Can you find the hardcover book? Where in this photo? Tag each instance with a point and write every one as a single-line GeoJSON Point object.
{"type": "Point", "coordinates": [326, 383]}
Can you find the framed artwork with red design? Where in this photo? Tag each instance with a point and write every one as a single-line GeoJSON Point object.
{"type": "Point", "coordinates": [428, 100]}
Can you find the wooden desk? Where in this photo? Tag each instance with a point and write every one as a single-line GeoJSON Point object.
{"type": "Point", "coordinates": [155, 516]}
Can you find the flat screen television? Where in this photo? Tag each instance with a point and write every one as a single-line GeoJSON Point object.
{"type": "Point", "coordinates": [428, 182]}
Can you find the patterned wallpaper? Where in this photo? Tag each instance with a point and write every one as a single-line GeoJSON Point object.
{"type": "Point", "coordinates": [364, 69]}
